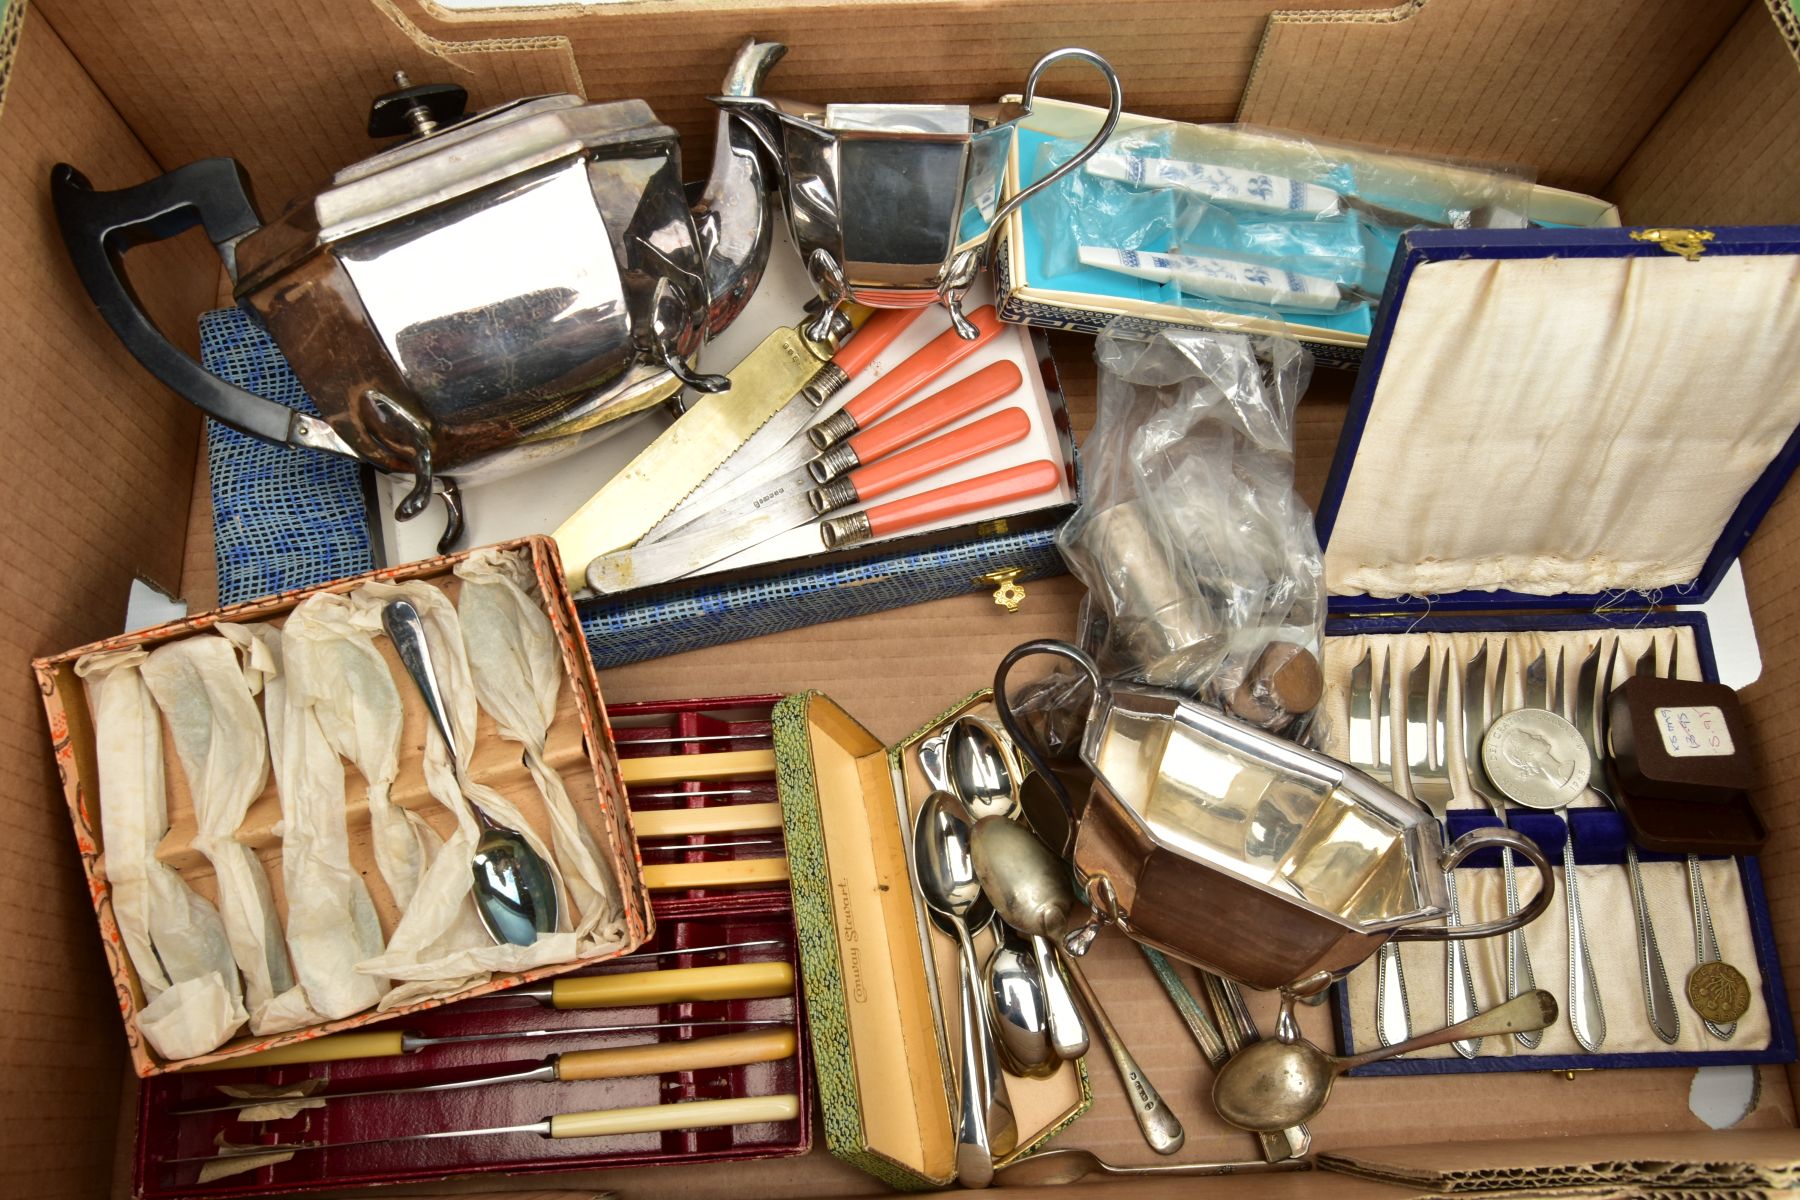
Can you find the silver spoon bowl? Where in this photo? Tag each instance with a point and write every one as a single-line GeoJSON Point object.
{"type": "Point", "coordinates": [1015, 1000]}
{"type": "Point", "coordinates": [515, 894]}
{"type": "Point", "coordinates": [979, 773]}
{"type": "Point", "coordinates": [1273, 1084]}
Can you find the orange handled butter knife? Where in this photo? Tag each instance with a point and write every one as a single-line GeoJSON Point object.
{"type": "Point", "coordinates": [919, 420]}
{"type": "Point", "coordinates": [889, 474]}
{"type": "Point", "coordinates": [939, 504]}
{"type": "Point", "coordinates": [927, 363]}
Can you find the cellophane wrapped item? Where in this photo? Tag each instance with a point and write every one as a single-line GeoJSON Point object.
{"type": "Point", "coordinates": [1204, 573]}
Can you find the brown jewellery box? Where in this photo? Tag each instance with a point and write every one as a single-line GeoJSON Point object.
{"type": "Point", "coordinates": [579, 746]}
{"type": "Point", "coordinates": [1681, 752]}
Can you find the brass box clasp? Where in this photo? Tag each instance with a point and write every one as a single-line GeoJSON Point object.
{"type": "Point", "coordinates": [1689, 243]}
{"type": "Point", "coordinates": [1009, 593]}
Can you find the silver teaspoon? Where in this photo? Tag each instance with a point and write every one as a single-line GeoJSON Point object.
{"type": "Point", "coordinates": [515, 896]}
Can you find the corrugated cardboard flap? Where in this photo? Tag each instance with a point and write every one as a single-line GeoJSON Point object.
{"type": "Point", "coordinates": [1715, 1160]}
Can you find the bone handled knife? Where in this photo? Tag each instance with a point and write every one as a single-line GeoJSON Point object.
{"type": "Point", "coordinates": [766, 452]}
{"type": "Point", "coordinates": [930, 361]}
{"type": "Point", "coordinates": [659, 562]}
{"type": "Point", "coordinates": [939, 504]}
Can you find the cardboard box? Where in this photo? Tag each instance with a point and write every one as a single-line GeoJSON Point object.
{"type": "Point", "coordinates": [1681, 112]}
{"type": "Point", "coordinates": [578, 743]}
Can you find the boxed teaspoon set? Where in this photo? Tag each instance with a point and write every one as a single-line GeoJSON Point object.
{"type": "Point", "coordinates": [1556, 436]}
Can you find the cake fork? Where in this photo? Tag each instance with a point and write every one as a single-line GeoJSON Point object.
{"type": "Point", "coordinates": [1371, 751]}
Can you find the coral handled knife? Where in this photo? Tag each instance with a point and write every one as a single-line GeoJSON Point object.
{"type": "Point", "coordinates": [659, 562]}
{"type": "Point", "coordinates": [648, 1118]}
{"type": "Point", "coordinates": [930, 361]}
{"type": "Point", "coordinates": [937, 411]}
{"type": "Point", "coordinates": [608, 1062]}
{"type": "Point", "coordinates": [750, 463]}
{"type": "Point", "coordinates": [954, 500]}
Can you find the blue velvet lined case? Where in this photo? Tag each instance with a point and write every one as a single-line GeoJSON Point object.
{"type": "Point", "coordinates": [1599, 832]}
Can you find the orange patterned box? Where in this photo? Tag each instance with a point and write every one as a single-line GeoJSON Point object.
{"type": "Point", "coordinates": [578, 747]}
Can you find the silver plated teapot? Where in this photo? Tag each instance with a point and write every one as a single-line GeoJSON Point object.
{"type": "Point", "coordinates": [490, 284]}
{"type": "Point", "coordinates": [897, 205]}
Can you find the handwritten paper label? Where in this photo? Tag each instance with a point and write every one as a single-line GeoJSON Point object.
{"type": "Point", "coordinates": [1692, 731]}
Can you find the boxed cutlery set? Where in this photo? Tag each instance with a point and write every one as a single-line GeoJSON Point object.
{"type": "Point", "coordinates": [604, 701]}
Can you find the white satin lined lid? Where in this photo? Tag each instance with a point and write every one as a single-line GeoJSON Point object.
{"type": "Point", "coordinates": [1563, 425]}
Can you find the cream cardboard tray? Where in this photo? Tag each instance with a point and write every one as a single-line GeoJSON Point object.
{"type": "Point", "coordinates": [578, 747]}
{"type": "Point", "coordinates": [881, 982]}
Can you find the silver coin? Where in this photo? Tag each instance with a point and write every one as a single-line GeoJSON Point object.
{"type": "Point", "coordinates": [1536, 757]}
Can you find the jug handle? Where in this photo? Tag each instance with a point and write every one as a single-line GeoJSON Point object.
{"type": "Point", "coordinates": [960, 275]}
{"type": "Point", "coordinates": [98, 227]}
{"type": "Point", "coordinates": [1010, 721]}
{"type": "Point", "coordinates": [1462, 848]}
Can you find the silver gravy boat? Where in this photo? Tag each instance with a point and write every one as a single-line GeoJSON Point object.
{"type": "Point", "coordinates": [1234, 849]}
{"type": "Point", "coordinates": [482, 296]}
{"type": "Point", "coordinates": [897, 205]}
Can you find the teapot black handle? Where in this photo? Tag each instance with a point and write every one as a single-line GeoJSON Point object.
{"type": "Point", "coordinates": [98, 227]}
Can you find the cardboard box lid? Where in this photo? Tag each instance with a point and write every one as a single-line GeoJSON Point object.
{"type": "Point", "coordinates": [1566, 418]}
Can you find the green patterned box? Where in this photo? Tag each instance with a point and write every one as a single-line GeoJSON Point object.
{"type": "Point", "coordinates": [879, 984]}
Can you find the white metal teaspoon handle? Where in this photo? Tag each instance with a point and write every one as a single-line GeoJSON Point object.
{"type": "Point", "coordinates": [1706, 941]}
{"type": "Point", "coordinates": [1393, 1016]}
{"type": "Point", "coordinates": [407, 631]}
{"type": "Point", "coordinates": [1068, 1032]}
{"type": "Point", "coordinates": [1458, 979]}
{"type": "Point", "coordinates": [974, 1153]}
{"type": "Point", "coordinates": [1158, 1123]}
{"type": "Point", "coordinates": [1659, 997]}
{"type": "Point", "coordinates": [1520, 978]}
{"type": "Point", "coordinates": [1587, 1016]}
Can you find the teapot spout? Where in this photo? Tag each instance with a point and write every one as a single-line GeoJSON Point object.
{"type": "Point", "coordinates": [734, 216]}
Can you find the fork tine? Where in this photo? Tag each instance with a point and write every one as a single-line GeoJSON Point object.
{"type": "Point", "coordinates": [1362, 698]}
{"type": "Point", "coordinates": [1440, 728]}
{"type": "Point", "coordinates": [1537, 681]}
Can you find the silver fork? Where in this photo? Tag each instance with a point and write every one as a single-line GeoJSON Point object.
{"type": "Point", "coordinates": [1706, 941]}
{"type": "Point", "coordinates": [1478, 710]}
{"type": "Point", "coordinates": [1371, 751]}
{"type": "Point", "coordinates": [1593, 686]}
{"type": "Point", "coordinates": [1587, 1015]}
{"type": "Point", "coordinates": [1428, 781]}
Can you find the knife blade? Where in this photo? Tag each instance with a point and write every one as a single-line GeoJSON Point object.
{"type": "Point", "coordinates": [930, 361]}
{"type": "Point", "coordinates": [687, 453]}
{"type": "Point", "coordinates": [607, 1062]}
{"type": "Point", "coordinates": [794, 505]}
{"type": "Point", "coordinates": [919, 420]}
{"type": "Point", "coordinates": [749, 464]}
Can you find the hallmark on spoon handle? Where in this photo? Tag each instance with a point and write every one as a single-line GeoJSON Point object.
{"type": "Point", "coordinates": [1161, 1129]}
